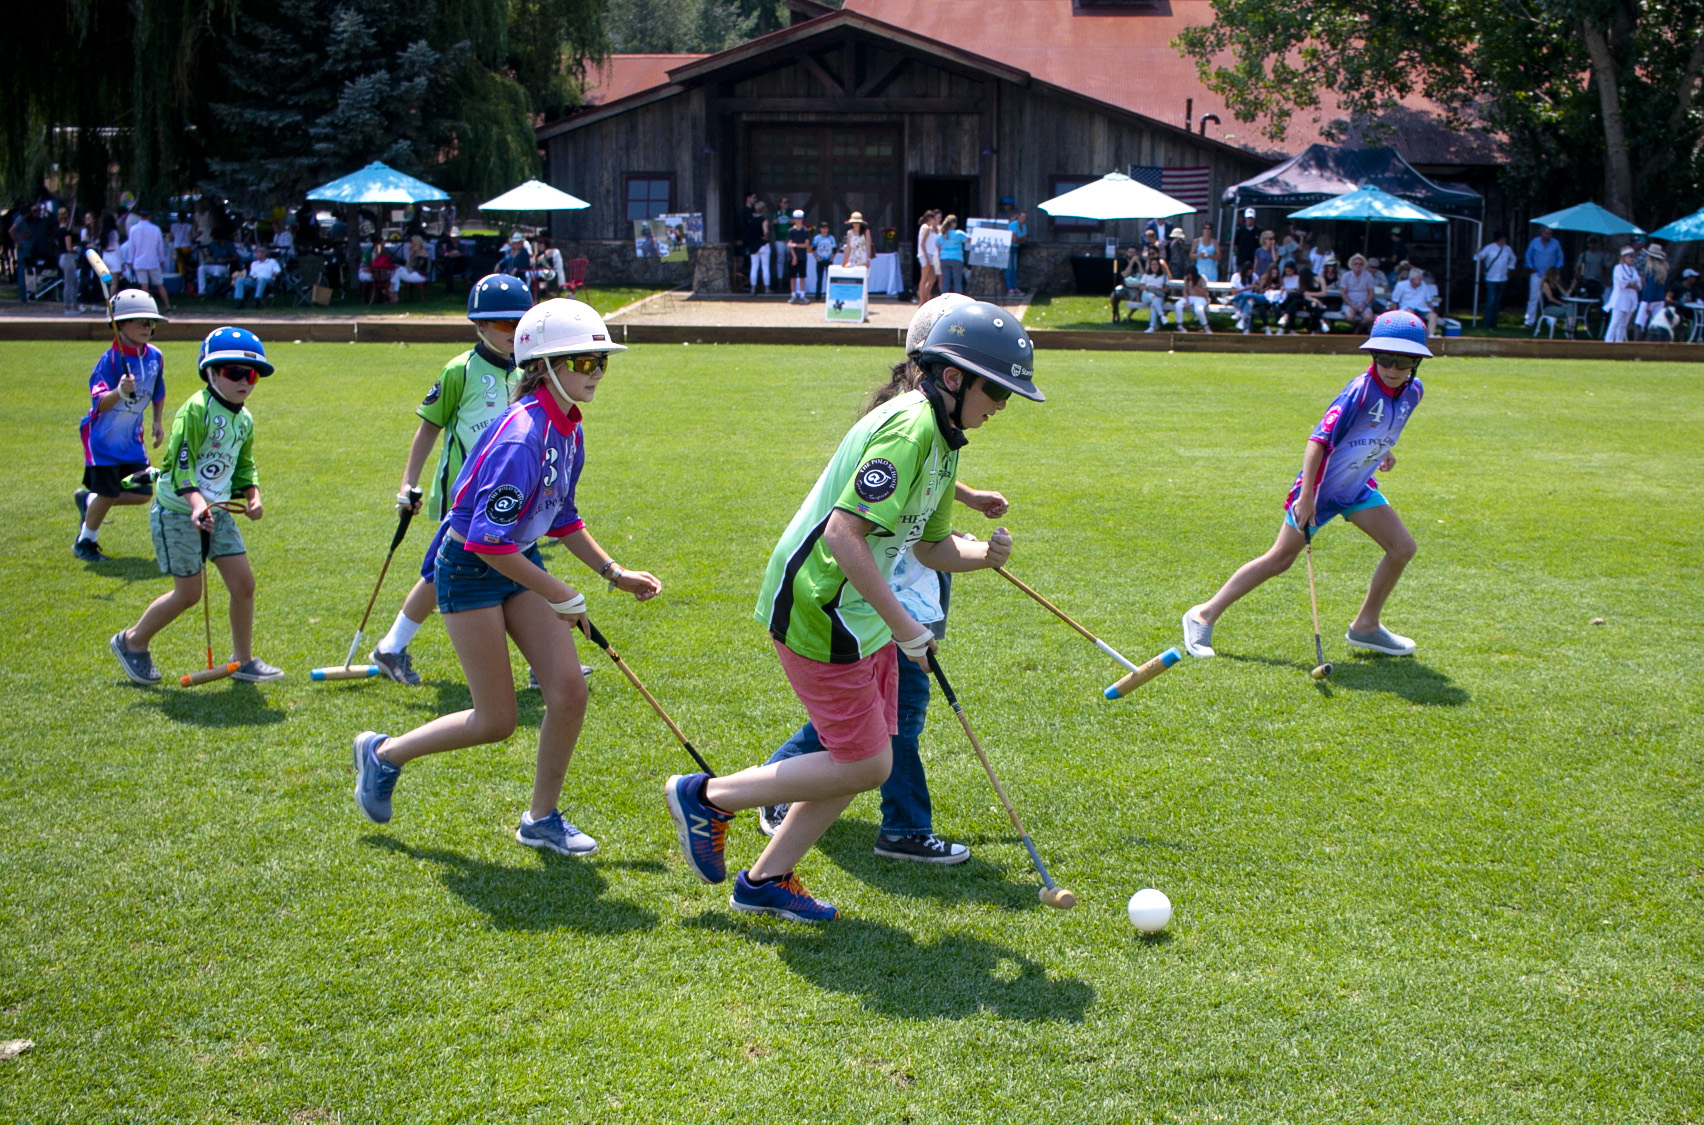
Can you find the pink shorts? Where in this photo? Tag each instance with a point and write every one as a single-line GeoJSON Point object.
{"type": "Point", "coordinates": [854, 707]}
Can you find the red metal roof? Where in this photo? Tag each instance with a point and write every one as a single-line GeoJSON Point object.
{"type": "Point", "coordinates": [620, 75]}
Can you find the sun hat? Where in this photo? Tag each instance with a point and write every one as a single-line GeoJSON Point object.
{"type": "Point", "coordinates": [517, 236]}
{"type": "Point", "coordinates": [1628, 249]}
{"type": "Point", "coordinates": [857, 217]}
{"type": "Point", "coordinates": [1655, 251]}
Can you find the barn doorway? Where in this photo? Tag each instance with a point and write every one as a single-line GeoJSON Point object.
{"type": "Point", "coordinates": [828, 172]}
{"type": "Point", "coordinates": [953, 195]}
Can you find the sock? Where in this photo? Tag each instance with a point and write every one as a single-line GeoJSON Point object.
{"type": "Point", "coordinates": [402, 631]}
{"type": "Point", "coordinates": [703, 796]}
{"type": "Point", "coordinates": [87, 532]}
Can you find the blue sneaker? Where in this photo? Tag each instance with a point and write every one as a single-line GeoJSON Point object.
{"type": "Point", "coordinates": [374, 777]}
{"type": "Point", "coordinates": [702, 831]}
{"type": "Point", "coordinates": [554, 834]}
{"type": "Point", "coordinates": [785, 897]}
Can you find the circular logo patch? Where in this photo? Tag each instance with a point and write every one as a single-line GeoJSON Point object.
{"type": "Point", "coordinates": [503, 506]}
{"type": "Point", "coordinates": [432, 395]}
{"type": "Point", "coordinates": [877, 479]}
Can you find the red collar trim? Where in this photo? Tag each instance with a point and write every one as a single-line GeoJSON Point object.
{"type": "Point", "coordinates": [124, 349]}
{"type": "Point", "coordinates": [563, 423]}
{"type": "Point", "coordinates": [1389, 391]}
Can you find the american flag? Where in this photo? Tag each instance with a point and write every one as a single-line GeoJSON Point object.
{"type": "Point", "coordinates": [1193, 186]}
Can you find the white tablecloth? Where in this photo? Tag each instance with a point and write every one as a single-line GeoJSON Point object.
{"type": "Point", "coordinates": [885, 275]}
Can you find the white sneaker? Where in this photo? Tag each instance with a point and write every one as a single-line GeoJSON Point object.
{"type": "Point", "coordinates": [1382, 640]}
{"type": "Point", "coordinates": [1197, 634]}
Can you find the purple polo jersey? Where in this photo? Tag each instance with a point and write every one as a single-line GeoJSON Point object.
{"type": "Point", "coordinates": [518, 483]}
{"type": "Point", "coordinates": [1359, 427]}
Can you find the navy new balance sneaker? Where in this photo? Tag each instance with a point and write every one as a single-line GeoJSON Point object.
{"type": "Point", "coordinates": [701, 830]}
{"type": "Point", "coordinates": [374, 777]}
{"type": "Point", "coordinates": [784, 897]}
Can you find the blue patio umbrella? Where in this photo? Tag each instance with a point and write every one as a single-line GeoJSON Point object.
{"type": "Point", "coordinates": [1689, 229]}
{"type": "Point", "coordinates": [1587, 218]}
{"type": "Point", "coordinates": [1369, 204]}
{"type": "Point", "coordinates": [378, 182]}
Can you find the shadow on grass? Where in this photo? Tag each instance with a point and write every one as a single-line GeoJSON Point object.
{"type": "Point", "coordinates": [552, 893]}
{"type": "Point", "coordinates": [1398, 675]}
{"type": "Point", "coordinates": [222, 703]}
{"type": "Point", "coordinates": [126, 570]}
{"type": "Point", "coordinates": [893, 975]}
{"type": "Point", "coordinates": [850, 844]}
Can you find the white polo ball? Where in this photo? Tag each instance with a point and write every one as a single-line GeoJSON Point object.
{"type": "Point", "coordinates": [1150, 910]}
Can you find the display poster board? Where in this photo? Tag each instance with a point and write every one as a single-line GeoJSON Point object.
{"type": "Point", "coordinates": [848, 295]}
{"type": "Point", "coordinates": [990, 245]}
{"type": "Point", "coordinates": [666, 238]}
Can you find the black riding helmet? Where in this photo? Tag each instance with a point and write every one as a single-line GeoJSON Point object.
{"type": "Point", "coordinates": [978, 339]}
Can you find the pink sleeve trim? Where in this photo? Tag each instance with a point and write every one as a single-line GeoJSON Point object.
{"type": "Point", "coordinates": [559, 532]}
{"type": "Point", "coordinates": [490, 548]}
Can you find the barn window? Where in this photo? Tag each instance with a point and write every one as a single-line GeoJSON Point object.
{"type": "Point", "coordinates": [1059, 185]}
{"type": "Point", "coordinates": [649, 194]}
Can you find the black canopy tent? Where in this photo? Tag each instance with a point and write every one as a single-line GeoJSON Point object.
{"type": "Point", "coordinates": [1321, 172]}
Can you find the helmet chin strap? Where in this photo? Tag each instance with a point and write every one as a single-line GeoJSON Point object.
{"type": "Point", "coordinates": [950, 418]}
{"type": "Point", "coordinates": [550, 370]}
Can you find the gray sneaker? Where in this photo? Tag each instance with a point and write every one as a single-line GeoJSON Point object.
{"type": "Point", "coordinates": [1197, 634]}
{"type": "Point", "coordinates": [257, 671]}
{"type": "Point", "coordinates": [139, 666]}
{"type": "Point", "coordinates": [1381, 640]}
{"type": "Point", "coordinates": [555, 835]}
{"type": "Point", "coordinates": [769, 818]}
{"type": "Point", "coordinates": [399, 666]}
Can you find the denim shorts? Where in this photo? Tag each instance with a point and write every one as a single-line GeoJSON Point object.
{"type": "Point", "coordinates": [429, 564]}
{"type": "Point", "coordinates": [465, 581]}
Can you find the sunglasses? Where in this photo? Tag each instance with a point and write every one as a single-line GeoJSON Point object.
{"type": "Point", "coordinates": [586, 364]}
{"type": "Point", "coordinates": [1400, 362]}
{"type": "Point", "coordinates": [235, 374]}
{"type": "Point", "coordinates": [995, 391]}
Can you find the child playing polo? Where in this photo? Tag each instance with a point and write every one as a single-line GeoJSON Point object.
{"type": "Point", "coordinates": [128, 381]}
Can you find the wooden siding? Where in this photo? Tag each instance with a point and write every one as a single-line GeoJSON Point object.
{"type": "Point", "coordinates": [593, 163]}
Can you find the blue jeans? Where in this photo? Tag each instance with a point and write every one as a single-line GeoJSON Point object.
{"type": "Point", "coordinates": [248, 287]}
{"type": "Point", "coordinates": [905, 794]}
{"type": "Point", "coordinates": [1493, 303]}
{"type": "Point", "coordinates": [1012, 268]}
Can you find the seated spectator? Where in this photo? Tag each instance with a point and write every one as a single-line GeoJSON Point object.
{"type": "Point", "coordinates": [547, 271]}
{"type": "Point", "coordinates": [1412, 293]}
{"type": "Point", "coordinates": [1266, 254]}
{"type": "Point", "coordinates": [262, 272]}
{"type": "Point", "coordinates": [1272, 298]}
{"type": "Point", "coordinates": [1195, 296]}
{"type": "Point", "coordinates": [1243, 295]}
{"type": "Point", "coordinates": [452, 260]}
{"type": "Point", "coordinates": [517, 258]}
{"type": "Point", "coordinates": [1552, 294]}
{"type": "Point", "coordinates": [1153, 290]}
{"type": "Point", "coordinates": [1303, 304]}
{"type": "Point", "coordinates": [376, 266]}
{"type": "Point", "coordinates": [283, 243]}
{"type": "Point", "coordinates": [1131, 271]}
{"type": "Point", "coordinates": [1359, 305]}
{"type": "Point", "coordinates": [416, 264]}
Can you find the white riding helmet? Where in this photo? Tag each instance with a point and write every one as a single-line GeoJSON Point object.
{"type": "Point", "coordinates": [562, 327]}
{"type": "Point", "coordinates": [134, 304]}
{"type": "Point", "coordinates": [925, 317]}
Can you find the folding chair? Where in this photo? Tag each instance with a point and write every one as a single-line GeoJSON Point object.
{"type": "Point", "coordinates": [304, 273]}
{"type": "Point", "coordinates": [575, 278]}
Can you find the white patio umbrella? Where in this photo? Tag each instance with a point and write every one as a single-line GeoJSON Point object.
{"type": "Point", "coordinates": [1116, 196]}
{"type": "Point", "coordinates": [534, 195]}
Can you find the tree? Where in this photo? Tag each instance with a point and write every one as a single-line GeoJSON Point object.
{"type": "Point", "coordinates": [689, 26]}
{"type": "Point", "coordinates": [1582, 91]}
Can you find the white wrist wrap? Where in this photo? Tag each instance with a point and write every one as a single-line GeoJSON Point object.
{"type": "Point", "coordinates": [574, 605]}
{"type": "Point", "coordinates": [917, 646]}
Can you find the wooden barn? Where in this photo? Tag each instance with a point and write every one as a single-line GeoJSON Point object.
{"type": "Point", "coordinates": [842, 113]}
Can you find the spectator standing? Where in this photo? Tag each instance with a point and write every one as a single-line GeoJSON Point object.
{"type": "Point", "coordinates": [798, 256]}
{"type": "Point", "coordinates": [1246, 240]}
{"type": "Point", "coordinates": [823, 246]}
{"type": "Point", "coordinates": [262, 272]}
{"type": "Point", "coordinates": [756, 240]}
{"type": "Point", "coordinates": [452, 260]}
{"type": "Point", "coordinates": [23, 235]}
{"type": "Point", "coordinates": [928, 253]}
{"type": "Point", "coordinates": [65, 242]}
{"type": "Point", "coordinates": [183, 245]}
{"type": "Point", "coordinates": [1591, 267]}
{"type": "Point", "coordinates": [953, 243]}
{"type": "Point", "coordinates": [1358, 287]}
{"type": "Point", "coordinates": [1398, 254]}
{"type": "Point", "coordinates": [1542, 253]}
{"type": "Point", "coordinates": [1177, 254]}
{"type": "Point", "coordinates": [148, 256]}
{"type": "Point", "coordinates": [1206, 254]}
{"type": "Point", "coordinates": [1653, 287]}
{"type": "Point", "coordinates": [858, 252]}
{"type": "Point", "coordinates": [1623, 300]}
{"type": "Point", "coordinates": [1019, 226]}
{"type": "Point", "coordinates": [1498, 258]}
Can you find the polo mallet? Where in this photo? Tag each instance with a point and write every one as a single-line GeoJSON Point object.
{"type": "Point", "coordinates": [1140, 676]}
{"type": "Point", "coordinates": [349, 670]}
{"type": "Point", "coordinates": [598, 639]}
{"type": "Point", "coordinates": [1059, 613]}
{"type": "Point", "coordinates": [212, 671]}
{"type": "Point", "coordinates": [1052, 894]}
{"type": "Point", "coordinates": [104, 276]}
{"type": "Point", "coordinates": [1322, 670]}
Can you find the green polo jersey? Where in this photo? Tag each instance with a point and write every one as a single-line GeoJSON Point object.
{"type": "Point", "coordinates": [211, 450]}
{"type": "Point", "coordinates": [471, 393]}
{"type": "Point", "coordinates": [893, 469]}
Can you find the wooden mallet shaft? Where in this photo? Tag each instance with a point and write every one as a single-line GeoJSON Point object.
{"type": "Point", "coordinates": [1321, 670]}
{"type": "Point", "coordinates": [1063, 616]}
{"type": "Point", "coordinates": [598, 639]}
{"type": "Point", "coordinates": [1143, 674]}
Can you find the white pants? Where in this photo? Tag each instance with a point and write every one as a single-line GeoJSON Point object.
{"type": "Point", "coordinates": [1199, 304]}
{"type": "Point", "coordinates": [1533, 296]}
{"type": "Point", "coordinates": [202, 273]}
{"type": "Point", "coordinates": [405, 275]}
{"type": "Point", "coordinates": [760, 261]}
{"type": "Point", "coordinates": [1156, 306]}
{"type": "Point", "coordinates": [1647, 309]}
{"type": "Point", "coordinates": [1616, 333]}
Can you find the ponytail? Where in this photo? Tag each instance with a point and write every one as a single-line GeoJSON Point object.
{"type": "Point", "coordinates": [904, 377]}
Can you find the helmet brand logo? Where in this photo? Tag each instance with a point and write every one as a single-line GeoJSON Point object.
{"type": "Point", "coordinates": [1019, 371]}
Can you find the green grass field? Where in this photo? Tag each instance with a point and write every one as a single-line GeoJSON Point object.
{"type": "Point", "coordinates": [1464, 886]}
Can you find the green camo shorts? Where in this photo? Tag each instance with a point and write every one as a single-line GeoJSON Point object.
{"type": "Point", "coordinates": [177, 541]}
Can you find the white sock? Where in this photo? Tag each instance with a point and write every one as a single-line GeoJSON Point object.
{"type": "Point", "coordinates": [88, 532]}
{"type": "Point", "coordinates": [402, 631]}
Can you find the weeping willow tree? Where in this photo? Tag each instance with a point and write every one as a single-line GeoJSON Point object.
{"type": "Point", "coordinates": [260, 99]}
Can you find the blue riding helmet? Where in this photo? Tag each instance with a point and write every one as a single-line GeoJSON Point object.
{"type": "Point", "coordinates": [1399, 331]}
{"type": "Point", "coordinates": [231, 345]}
{"type": "Point", "coordinates": [497, 296]}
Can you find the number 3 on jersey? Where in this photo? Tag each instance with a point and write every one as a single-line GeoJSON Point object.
{"type": "Point", "coordinates": [550, 457]}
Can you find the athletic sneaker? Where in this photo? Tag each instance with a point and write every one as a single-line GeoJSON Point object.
{"type": "Point", "coordinates": [553, 834]}
{"type": "Point", "coordinates": [139, 666]}
{"type": "Point", "coordinates": [784, 897]}
{"type": "Point", "coordinates": [1381, 640]}
{"type": "Point", "coordinates": [374, 777]}
{"type": "Point", "coordinates": [921, 849]}
{"type": "Point", "coordinates": [1197, 634]}
{"type": "Point", "coordinates": [769, 818]}
{"type": "Point", "coordinates": [88, 550]}
{"type": "Point", "coordinates": [399, 666]}
{"type": "Point", "coordinates": [257, 671]}
{"type": "Point", "coordinates": [81, 499]}
{"type": "Point", "coordinates": [701, 830]}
